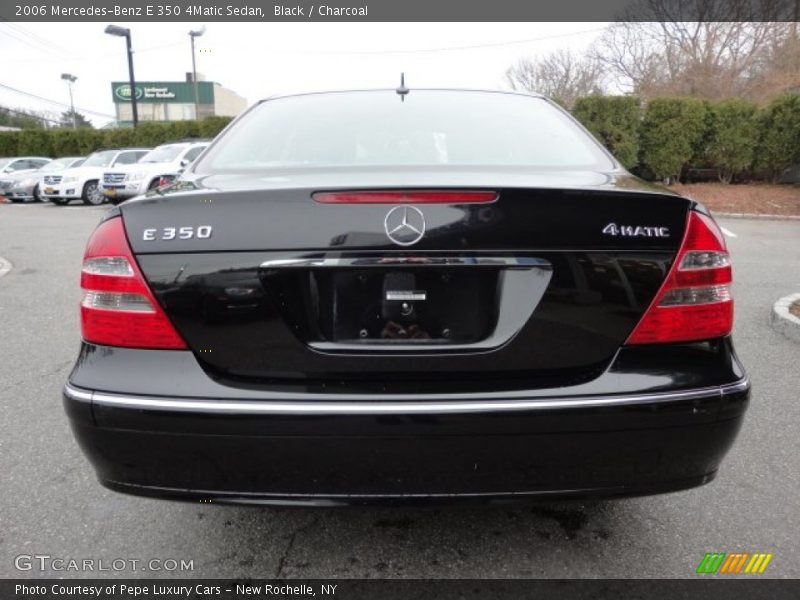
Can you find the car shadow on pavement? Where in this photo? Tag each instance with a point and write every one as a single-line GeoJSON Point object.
{"type": "Point", "coordinates": [515, 540]}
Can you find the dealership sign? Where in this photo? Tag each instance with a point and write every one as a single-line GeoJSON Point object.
{"type": "Point", "coordinates": [123, 92]}
{"type": "Point", "coordinates": [163, 92]}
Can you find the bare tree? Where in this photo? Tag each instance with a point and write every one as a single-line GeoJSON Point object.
{"type": "Point", "coordinates": [706, 48]}
{"type": "Point", "coordinates": [779, 71]}
{"type": "Point", "coordinates": [560, 75]}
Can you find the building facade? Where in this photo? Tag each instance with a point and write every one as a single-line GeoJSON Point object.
{"type": "Point", "coordinates": [175, 100]}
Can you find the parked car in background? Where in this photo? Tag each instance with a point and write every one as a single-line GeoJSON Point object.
{"type": "Point", "coordinates": [162, 163]}
{"type": "Point", "coordinates": [83, 182]}
{"type": "Point", "coordinates": [24, 186]}
{"type": "Point", "coordinates": [11, 167]}
{"type": "Point", "coordinates": [22, 163]}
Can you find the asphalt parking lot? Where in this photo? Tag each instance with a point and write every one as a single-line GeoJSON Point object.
{"type": "Point", "coordinates": [52, 505]}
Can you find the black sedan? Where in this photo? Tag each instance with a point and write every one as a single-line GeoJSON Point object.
{"type": "Point", "coordinates": [395, 295]}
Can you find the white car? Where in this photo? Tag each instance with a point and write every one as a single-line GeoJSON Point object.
{"type": "Point", "coordinates": [164, 162]}
{"type": "Point", "coordinates": [83, 183]}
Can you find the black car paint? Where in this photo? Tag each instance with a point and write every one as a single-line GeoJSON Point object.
{"type": "Point", "coordinates": [367, 458]}
{"type": "Point", "coordinates": [248, 349]}
{"type": "Point", "coordinates": [178, 373]}
{"type": "Point", "coordinates": [600, 287]}
{"type": "Point", "coordinates": [544, 210]}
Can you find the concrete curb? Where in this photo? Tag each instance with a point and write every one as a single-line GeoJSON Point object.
{"type": "Point", "coordinates": [725, 215]}
{"type": "Point", "coordinates": [5, 266]}
{"type": "Point", "coordinates": [783, 321]}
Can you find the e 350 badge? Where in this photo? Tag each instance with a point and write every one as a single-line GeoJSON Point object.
{"type": "Point", "coordinates": [202, 232]}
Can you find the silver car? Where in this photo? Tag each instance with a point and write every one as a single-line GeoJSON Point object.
{"type": "Point", "coordinates": [11, 168]}
{"type": "Point", "coordinates": [25, 186]}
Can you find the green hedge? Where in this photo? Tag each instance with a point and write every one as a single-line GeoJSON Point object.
{"type": "Point", "coordinates": [34, 141]}
{"type": "Point", "coordinates": [8, 143]}
{"type": "Point", "coordinates": [672, 133]}
{"type": "Point", "coordinates": [79, 142]}
{"type": "Point", "coordinates": [614, 121]}
{"type": "Point", "coordinates": [732, 137]}
{"type": "Point", "coordinates": [779, 141]}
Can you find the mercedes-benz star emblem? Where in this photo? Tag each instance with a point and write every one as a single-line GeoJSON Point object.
{"type": "Point", "coordinates": [405, 225]}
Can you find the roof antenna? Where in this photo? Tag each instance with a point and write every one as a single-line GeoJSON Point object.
{"type": "Point", "coordinates": [402, 90]}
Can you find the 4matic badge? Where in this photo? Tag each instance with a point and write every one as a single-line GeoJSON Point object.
{"type": "Point", "coordinates": [635, 231]}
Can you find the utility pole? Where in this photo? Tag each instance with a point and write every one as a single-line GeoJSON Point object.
{"type": "Point", "coordinates": [193, 34]}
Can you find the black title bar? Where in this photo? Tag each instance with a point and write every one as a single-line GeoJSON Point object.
{"type": "Point", "coordinates": [706, 587]}
{"type": "Point", "coordinates": [399, 10]}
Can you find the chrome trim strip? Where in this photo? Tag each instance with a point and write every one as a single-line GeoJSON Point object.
{"type": "Point", "coordinates": [519, 262]}
{"type": "Point", "coordinates": [76, 394]}
{"type": "Point", "coordinates": [260, 407]}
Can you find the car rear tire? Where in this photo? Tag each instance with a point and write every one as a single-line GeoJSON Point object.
{"type": "Point", "coordinates": [35, 194]}
{"type": "Point", "coordinates": [92, 195]}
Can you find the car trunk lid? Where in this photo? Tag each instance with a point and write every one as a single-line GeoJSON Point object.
{"type": "Point", "coordinates": [543, 284]}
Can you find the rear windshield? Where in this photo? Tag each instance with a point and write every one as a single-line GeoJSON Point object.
{"type": "Point", "coordinates": [427, 128]}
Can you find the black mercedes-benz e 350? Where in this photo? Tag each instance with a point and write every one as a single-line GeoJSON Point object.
{"type": "Point", "coordinates": [401, 295]}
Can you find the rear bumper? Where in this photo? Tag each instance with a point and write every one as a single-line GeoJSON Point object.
{"type": "Point", "coordinates": [344, 452]}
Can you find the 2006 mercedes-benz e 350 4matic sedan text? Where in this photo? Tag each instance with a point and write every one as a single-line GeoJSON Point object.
{"type": "Point", "coordinates": [392, 295]}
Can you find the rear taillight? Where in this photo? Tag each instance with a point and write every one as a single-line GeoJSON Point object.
{"type": "Point", "coordinates": [118, 308]}
{"type": "Point", "coordinates": [406, 197]}
{"type": "Point", "coordinates": [694, 302]}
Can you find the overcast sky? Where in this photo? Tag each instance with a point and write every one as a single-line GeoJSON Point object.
{"type": "Point", "coordinates": [261, 59]}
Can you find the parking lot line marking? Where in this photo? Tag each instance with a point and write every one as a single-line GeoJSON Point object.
{"type": "Point", "coordinates": [728, 232]}
{"type": "Point", "coordinates": [5, 266]}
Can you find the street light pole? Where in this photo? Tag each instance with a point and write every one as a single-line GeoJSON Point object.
{"type": "Point", "coordinates": [193, 34]}
{"type": "Point", "coordinates": [126, 33]}
{"type": "Point", "coordinates": [70, 79]}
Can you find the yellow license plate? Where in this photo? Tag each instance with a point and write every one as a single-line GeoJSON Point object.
{"type": "Point", "coordinates": [111, 192]}
{"type": "Point", "coordinates": [49, 190]}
